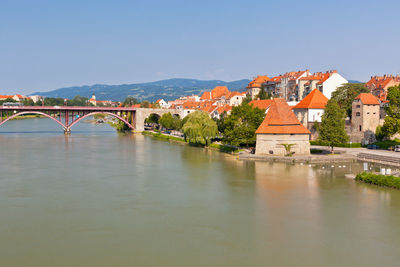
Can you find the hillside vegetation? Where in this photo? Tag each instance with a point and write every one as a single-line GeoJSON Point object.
{"type": "Point", "coordinates": [151, 91]}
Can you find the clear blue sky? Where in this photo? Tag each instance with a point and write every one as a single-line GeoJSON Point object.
{"type": "Point", "coordinates": [45, 45]}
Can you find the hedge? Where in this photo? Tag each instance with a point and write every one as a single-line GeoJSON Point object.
{"type": "Point", "coordinates": [319, 143]}
{"type": "Point", "coordinates": [379, 179]}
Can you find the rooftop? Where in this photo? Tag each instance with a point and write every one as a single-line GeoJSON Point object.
{"type": "Point", "coordinates": [368, 99]}
{"type": "Point", "coordinates": [280, 119]}
{"type": "Point", "coordinates": [314, 100]}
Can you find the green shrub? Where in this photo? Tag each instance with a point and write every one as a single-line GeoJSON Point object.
{"type": "Point", "coordinates": [320, 143]}
{"type": "Point", "coordinates": [387, 143]}
{"type": "Point", "coordinates": [225, 148]}
{"type": "Point", "coordinates": [379, 179]}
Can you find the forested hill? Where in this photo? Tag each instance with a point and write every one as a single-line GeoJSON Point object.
{"type": "Point", "coordinates": [167, 89]}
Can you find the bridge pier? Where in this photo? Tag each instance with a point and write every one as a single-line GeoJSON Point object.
{"type": "Point", "coordinates": [67, 131]}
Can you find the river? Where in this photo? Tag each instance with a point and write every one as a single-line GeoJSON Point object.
{"type": "Point", "coordinates": [96, 198]}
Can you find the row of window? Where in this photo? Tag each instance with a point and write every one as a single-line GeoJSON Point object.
{"type": "Point", "coordinates": [359, 114]}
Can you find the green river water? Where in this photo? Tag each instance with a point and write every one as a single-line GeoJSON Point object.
{"type": "Point", "coordinates": [96, 198]}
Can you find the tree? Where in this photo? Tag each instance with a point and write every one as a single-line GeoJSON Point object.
{"type": "Point", "coordinates": [153, 118]}
{"type": "Point", "coordinates": [344, 95]}
{"type": "Point", "coordinates": [263, 94]}
{"type": "Point", "coordinates": [28, 102]}
{"type": "Point", "coordinates": [145, 104]}
{"type": "Point", "coordinates": [332, 129]}
{"type": "Point", "coordinates": [120, 126]}
{"type": "Point", "coordinates": [50, 101]}
{"type": "Point", "coordinates": [221, 122]}
{"type": "Point", "coordinates": [170, 122]}
{"type": "Point", "coordinates": [130, 101]}
{"type": "Point", "coordinates": [246, 100]}
{"type": "Point", "coordinates": [199, 127]}
{"type": "Point", "coordinates": [241, 125]}
{"type": "Point", "coordinates": [8, 100]}
{"type": "Point", "coordinates": [78, 101]}
{"type": "Point", "coordinates": [391, 126]}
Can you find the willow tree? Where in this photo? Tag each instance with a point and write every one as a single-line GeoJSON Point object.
{"type": "Point", "coordinates": [199, 127]}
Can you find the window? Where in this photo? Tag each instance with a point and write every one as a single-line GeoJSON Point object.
{"type": "Point", "coordinates": [358, 106]}
{"type": "Point", "coordinates": [367, 112]}
{"type": "Point", "coordinates": [360, 128]}
{"type": "Point", "coordinates": [358, 114]}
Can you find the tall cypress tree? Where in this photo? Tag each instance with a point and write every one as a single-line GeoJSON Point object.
{"type": "Point", "coordinates": [332, 129]}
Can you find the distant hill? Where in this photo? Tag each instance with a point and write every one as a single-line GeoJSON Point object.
{"type": "Point", "coordinates": [353, 81]}
{"type": "Point", "coordinates": [167, 89]}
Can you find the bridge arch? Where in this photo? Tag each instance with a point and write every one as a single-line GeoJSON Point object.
{"type": "Point", "coordinates": [32, 112]}
{"type": "Point", "coordinates": [102, 112]}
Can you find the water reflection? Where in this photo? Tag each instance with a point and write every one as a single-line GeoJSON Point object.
{"type": "Point", "coordinates": [100, 198]}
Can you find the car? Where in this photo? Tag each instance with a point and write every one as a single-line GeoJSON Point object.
{"type": "Point", "coordinates": [397, 148]}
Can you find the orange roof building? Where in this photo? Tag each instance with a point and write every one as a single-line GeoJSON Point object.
{"type": "Point", "coordinates": [368, 99]}
{"type": "Point", "coordinates": [216, 93]}
{"type": "Point", "coordinates": [309, 111]}
{"type": "Point", "coordinates": [258, 81]}
{"type": "Point", "coordinates": [254, 87]}
{"type": "Point", "coordinates": [314, 100]}
{"type": "Point", "coordinates": [365, 118]}
{"type": "Point", "coordinates": [379, 85]}
{"type": "Point", "coordinates": [326, 82]}
{"type": "Point", "coordinates": [280, 127]}
{"type": "Point", "coordinates": [261, 104]}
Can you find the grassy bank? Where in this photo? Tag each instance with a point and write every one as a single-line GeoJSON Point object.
{"type": "Point", "coordinates": [164, 136]}
{"type": "Point", "coordinates": [379, 179]}
{"type": "Point", "coordinates": [219, 147]}
{"type": "Point", "coordinates": [23, 117]}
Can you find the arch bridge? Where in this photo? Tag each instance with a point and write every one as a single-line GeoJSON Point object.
{"type": "Point", "coordinates": [68, 116]}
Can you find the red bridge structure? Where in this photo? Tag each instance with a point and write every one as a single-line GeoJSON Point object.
{"type": "Point", "coordinates": [68, 116]}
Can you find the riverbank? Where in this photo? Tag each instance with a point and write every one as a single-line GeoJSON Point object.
{"type": "Point", "coordinates": [317, 158]}
{"type": "Point", "coordinates": [219, 147]}
{"type": "Point", "coordinates": [24, 117]}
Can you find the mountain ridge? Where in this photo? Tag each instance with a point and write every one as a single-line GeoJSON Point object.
{"type": "Point", "coordinates": [168, 89]}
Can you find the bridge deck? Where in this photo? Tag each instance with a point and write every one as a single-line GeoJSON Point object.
{"type": "Point", "coordinates": [66, 108]}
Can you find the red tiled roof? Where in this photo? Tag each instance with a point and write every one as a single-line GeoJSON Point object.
{"type": "Point", "coordinates": [223, 108]}
{"type": "Point", "coordinates": [381, 81]}
{"type": "Point", "coordinates": [276, 78]}
{"type": "Point", "coordinates": [258, 81]}
{"type": "Point", "coordinates": [280, 119]}
{"type": "Point", "coordinates": [206, 95]}
{"type": "Point", "coordinates": [294, 75]}
{"type": "Point", "coordinates": [368, 99]}
{"type": "Point", "coordinates": [315, 99]}
{"type": "Point", "coordinates": [219, 91]}
{"type": "Point", "coordinates": [6, 96]}
{"type": "Point", "coordinates": [261, 104]}
{"type": "Point", "coordinates": [190, 105]}
{"type": "Point", "coordinates": [215, 93]}
{"type": "Point", "coordinates": [311, 77]}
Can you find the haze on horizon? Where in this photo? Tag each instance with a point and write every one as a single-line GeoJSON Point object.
{"type": "Point", "coordinates": [46, 45]}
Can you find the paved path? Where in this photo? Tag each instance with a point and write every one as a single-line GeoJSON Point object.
{"type": "Point", "coordinates": [356, 151]}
